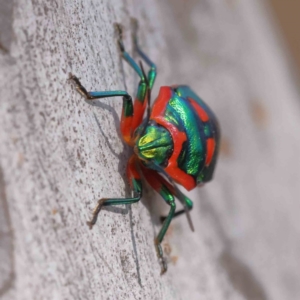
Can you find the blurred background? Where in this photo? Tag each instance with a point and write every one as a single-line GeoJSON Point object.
{"type": "Point", "coordinates": [287, 15]}
{"type": "Point", "coordinates": [246, 246]}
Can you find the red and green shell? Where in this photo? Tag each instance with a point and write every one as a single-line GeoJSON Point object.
{"type": "Point", "coordinates": [182, 137]}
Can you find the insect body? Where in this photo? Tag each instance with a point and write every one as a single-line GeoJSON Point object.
{"type": "Point", "coordinates": [181, 137]}
{"type": "Point", "coordinates": [176, 142]}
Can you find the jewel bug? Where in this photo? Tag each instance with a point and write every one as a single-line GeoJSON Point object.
{"type": "Point", "coordinates": [177, 142]}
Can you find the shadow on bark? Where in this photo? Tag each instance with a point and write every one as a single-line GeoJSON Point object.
{"type": "Point", "coordinates": [7, 274]}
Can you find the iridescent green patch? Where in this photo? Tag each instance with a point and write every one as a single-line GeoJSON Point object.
{"type": "Point", "coordinates": [180, 113]}
{"type": "Point", "coordinates": [155, 144]}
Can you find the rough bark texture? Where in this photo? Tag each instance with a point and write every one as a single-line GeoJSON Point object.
{"type": "Point", "coordinates": [59, 154]}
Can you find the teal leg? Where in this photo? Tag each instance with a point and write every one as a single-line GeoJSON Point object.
{"type": "Point", "coordinates": [163, 230]}
{"type": "Point", "coordinates": [139, 103]}
{"type": "Point", "coordinates": [108, 202]}
{"type": "Point", "coordinates": [160, 185]}
{"type": "Point", "coordinates": [95, 95]}
{"type": "Point", "coordinates": [170, 201]}
{"type": "Point", "coordinates": [136, 185]}
{"type": "Point", "coordinates": [127, 111]}
{"type": "Point", "coordinates": [152, 72]}
{"type": "Point", "coordinates": [188, 204]}
{"type": "Point", "coordinates": [142, 88]}
{"type": "Point", "coordinates": [126, 56]}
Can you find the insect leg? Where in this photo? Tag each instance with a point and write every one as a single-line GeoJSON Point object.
{"type": "Point", "coordinates": [127, 111]}
{"type": "Point", "coordinates": [160, 185]}
{"type": "Point", "coordinates": [187, 203]}
{"type": "Point", "coordinates": [140, 102]}
{"type": "Point", "coordinates": [184, 200]}
{"type": "Point", "coordinates": [93, 95]}
{"type": "Point", "coordinates": [136, 185]}
{"type": "Point", "coordinates": [152, 72]}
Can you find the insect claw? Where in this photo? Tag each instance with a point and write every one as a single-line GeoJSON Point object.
{"type": "Point", "coordinates": [90, 224]}
{"type": "Point", "coordinates": [134, 23]}
{"type": "Point", "coordinates": [79, 87]}
{"type": "Point", "coordinates": [162, 261]}
{"type": "Point", "coordinates": [70, 78]}
{"type": "Point", "coordinates": [135, 26]}
{"type": "Point", "coordinates": [96, 212]}
{"type": "Point", "coordinates": [164, 266]}
{"type": "Point", "coordinates": [119, 30]}
{"type": "Point", "coordinates": [74, 79]}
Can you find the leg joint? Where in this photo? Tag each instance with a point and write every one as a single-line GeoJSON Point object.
{"type": "Point", "coordinates": [189, 204]}
{"type": "Point", "coordinates": [172, 204]}
{"type": "Point", "coordinates": [127, 98]}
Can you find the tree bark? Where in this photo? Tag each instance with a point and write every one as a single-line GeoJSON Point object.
{"type": "Point", "coordinates": [60, 154]}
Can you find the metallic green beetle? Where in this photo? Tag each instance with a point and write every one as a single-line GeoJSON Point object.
{"type": "Point", "coordinates": [176, 142]}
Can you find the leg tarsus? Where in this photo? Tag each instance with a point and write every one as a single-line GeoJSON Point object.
{"type": "Point", "coordinates": [96, 212]}
{"type": "Point", "coordinates": [167, 221]}
{"type": "Point", "coordinates": [139, 106]}
{"type": "Point", "coordinates": [119, 30]}
{"type": "Point", "coordinates": [125, 54]}
{"type": "Point", "coordinates": [152, 72]}
{"type": "Point", "coordinates": [136, 185]}
{"type": "Point", "coordinates": [159, 253]}
{"type": "Point", "coordinates": [79, 87]}
{"type": "Point", "coordinates": [161, 235]}
{"type": "Point", "coordinates": [164, 188]}
{"type": "Point", "coordinates": [109, 202]}
{"type": "Point", "coordinates": [135, 27]}
{"type": "Point", "coordinates": [95, 94]}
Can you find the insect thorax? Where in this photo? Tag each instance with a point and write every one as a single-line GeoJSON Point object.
{"type": "Point", "coordinates": [155, 145]}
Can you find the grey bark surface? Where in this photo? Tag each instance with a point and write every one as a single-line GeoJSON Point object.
{"type": "Point", "coordinates": [59, 154]}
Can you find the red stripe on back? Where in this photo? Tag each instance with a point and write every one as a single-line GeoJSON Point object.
{"type": "Point", "coordinates": [178, 138]}
{"type": "Point", "coordinates": [172, 169]}
{"type": "Point", "coordinates": [200, 111]}
{"type": "Point", "coordinates": [210, 148]}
